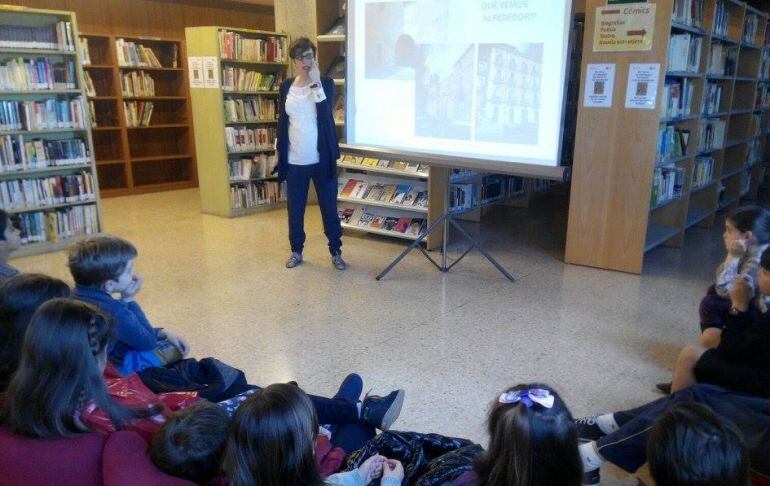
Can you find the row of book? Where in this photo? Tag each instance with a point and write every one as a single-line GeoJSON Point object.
{"type": "Point", "coordinates": [677, 97]}
{"type": "Point", "coordinates": [684, 53]}
{"type": "Point", "coordinates": [723, 59]}
{"type": "Point", "coordinates": [131, 54]}
{"type": "Point", "coordinates": [137, 83]}
{"type": "Point", "coordinates": [750, 28]}
{"type": "Point", "coordinates": [239, 79]}
{"type": "Point", "coordinates": [37, 74]}
{"type": "Point", "coordinates": [463, 197]}
{"type": "Point", "coordinates": [241, 139]}
{"type": "Point", "coordinates": [61, 224]}
{"type": "Point", "coordinates": [398, 194]}
{"type": "Point", "coordinates": [412, 167]}
{"type": "Point", "coordinates": [137, 113]}
{"type": "Point", "coordinates": [703, 172]}
{"type": "Point", "coordinates": [46, 191]}
{"type": "Point", "coordinates": [247, 169]}
{"type": "Point", "coordinates": [89, 84]}
{"type": "Point", "coordinates": [689, 12]}
{"type": "Point", "coordinates": [755, 129]}
{"type": "Point", "coordinates": [19, 153]}
{"type": "Point", "coordinates": [235, 46]}
{"type": "Point", "coordinates": [56, 36]}
{"type": "Point", "coordinates": [712, 98]}
{"type": "Point", "coordinates": [712, 134]}
{"type": "Point", "coordinates": [754, 152]}
{"type": "Point", "coordinates": [250, 108]}
{"type": "Point", "coordinates": [46, 114]}
{"type": "Point", "coordinates": [721, 18]}
{"type": "Point", "coordinates": [85, 51]}
{"type": "Point", "coordinates": [667, 184]}
{"type": "Point", "coordinates": [256, 194]}
{"type": "Point", "coordinates": [672, 143]}
{"type": "Point", "coordinates": [363, 217]}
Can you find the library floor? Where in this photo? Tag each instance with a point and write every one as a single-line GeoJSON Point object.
{"type": "Point", "coordinates": [453, 341]}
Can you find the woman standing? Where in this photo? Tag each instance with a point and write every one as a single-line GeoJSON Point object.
{"type": "Point", "coordinates": [308, 149]}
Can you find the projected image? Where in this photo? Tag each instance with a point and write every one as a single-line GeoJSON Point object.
{"type": "Point", "coordinates": [389, 53]}
{"type": "Point", "coordinates": [508, 85]}
{"type": "Point", "coordinates": [444, 91]}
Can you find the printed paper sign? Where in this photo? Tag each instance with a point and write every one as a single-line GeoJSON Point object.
{"type": "Point", "coordinates": [195, 67]}
{"type": "Point", "coordinates": [642, 90]}
{"type": "Point", "coordinates": [628, 27]}
{"type": "Point", "coordinates": [600, 86]}
{"type": "Point", "coordinates": [210, 72]}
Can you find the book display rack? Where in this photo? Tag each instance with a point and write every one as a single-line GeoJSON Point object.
{"type": "Point", "coordinates": [138, 102]}
{"type": "Point", "coordinates": [47, 173]}
{"type": "Point", "coordinates": [238, 120]}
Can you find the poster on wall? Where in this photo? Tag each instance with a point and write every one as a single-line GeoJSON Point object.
{"type": "Point", "coordinates": [599, 86]}
{"type": "Point", "coordinates": [210, 72]}
{"type": "Point", "coordinates": [195, 67]}
{"type": "Point", "coordinates": [642, 89]}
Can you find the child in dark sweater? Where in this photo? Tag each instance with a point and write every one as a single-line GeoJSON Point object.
{"type": "Point", "coordinates": [103, 270]}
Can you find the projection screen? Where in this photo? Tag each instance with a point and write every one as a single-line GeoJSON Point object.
{"type": "Point", "coordinates": [472, 83]}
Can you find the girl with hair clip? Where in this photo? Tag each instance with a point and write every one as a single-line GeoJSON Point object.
{"type": "Point", "coordinates": [271, 443]}
{"type": "Point", "coordinates": [532, 442]}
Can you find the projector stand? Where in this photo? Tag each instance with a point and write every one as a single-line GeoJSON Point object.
{"type": "Point", "coordinates": [447, 220]}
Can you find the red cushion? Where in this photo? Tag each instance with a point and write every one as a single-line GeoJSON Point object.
{"type": "Point", "coordinates": [75, 461]}
{"type": "Point", "coordinates": [126, 462]}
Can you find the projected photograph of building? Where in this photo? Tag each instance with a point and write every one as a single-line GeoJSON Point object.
{"type": "Point", "coordinates": [389, 53]}
{"type": "Point", "coordinates": [508, 83]}
{"type": "Point", "coordinates": [444, 91]}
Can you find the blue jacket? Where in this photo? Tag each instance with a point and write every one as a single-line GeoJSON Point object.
{"type": "Point", "coordinates": [328, 147]}
{"type": "Point", "coordinates": [131, 330]}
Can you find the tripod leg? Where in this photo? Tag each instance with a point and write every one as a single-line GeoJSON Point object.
{"type": "Point", "coordinates": [482, 250]}
{"type": "Point", "coordinates": [415, 244]}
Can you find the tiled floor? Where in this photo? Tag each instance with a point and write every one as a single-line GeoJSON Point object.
{"type": "Point", "coordinates": [452, 341]}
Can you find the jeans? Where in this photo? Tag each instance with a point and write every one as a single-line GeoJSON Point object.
{"type": "Point", "coordinates": [297, 185]}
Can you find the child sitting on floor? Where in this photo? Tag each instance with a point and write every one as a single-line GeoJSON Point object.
{"type": "Point", "coordinates": [103, 266]}
{"type": "Point", "coordinates": [10, 240]}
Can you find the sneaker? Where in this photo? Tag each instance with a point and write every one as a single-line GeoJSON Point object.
{"type": "Point", "coordinates": [381, 412]}
{"type": "Point", "coordinates": [587, 428]}
{"type": "Point", "coordinates": [350, 388]}
{"type": "Point", "coordinates": [591, 477]}
{"type": "Point", "coordinates": [664, 387]}
{"type": "Point", "coordinates": [338, 262]}
{"type": "Point", "coordinates": [294, 260]}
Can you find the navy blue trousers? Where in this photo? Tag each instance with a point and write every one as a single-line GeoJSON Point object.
{"type": "Point", "coordinates": [297, 185]}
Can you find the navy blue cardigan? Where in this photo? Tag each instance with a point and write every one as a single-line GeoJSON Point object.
{"type": "Point", "coordinates": [328, 147]}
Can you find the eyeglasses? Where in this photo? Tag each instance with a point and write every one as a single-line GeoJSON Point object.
{"type": "Point", "coordinates": [308, 56]}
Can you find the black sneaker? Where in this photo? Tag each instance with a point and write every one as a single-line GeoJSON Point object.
{"type": "Point", "coordinates": [591, 477]}
{"type": "Point", "coordinates": [664, 387]}
{"type": "Point", "coordinates": [587, 428]}
{"type": "Point", "coordinates": [350, 388]}
{"type": "Point", "coordinates": [381, 412]}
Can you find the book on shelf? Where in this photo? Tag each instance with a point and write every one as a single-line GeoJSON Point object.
{"type": "Point", "coordinates": [750, 28]}
{"type": "Point", "coordinates": [677, 97]}
{"type": "Point", "coordinates": [137, 83]}
{"type": "Point", "coordinates": [89, 84]}
{"type": "Point", "coordinates": [24, 74]}
{"type": "Point", "coordinates": [338, 28]}
{"type": "Point", "coordinates": [754, 152]}
{"type": "Point", "coordinates": [721, 18]}
{"type": "Point", "coordinates": [372, 219]}
{"type": "Point", "coordinates": [241, 47]}
{"type": "Point", "coordinates": [85, 51]}
{"type": "Point", "coordinates": [241, 139]}
{"type": "Point", "coordinates": [722, 59]}
{"type": "Point", "coordinates": [92, 114]}
{"type": "Point", "coordinates": [131, 54]}
{"type": "Point", "coordinates": [406, 195]}
{"type": "Point", "coordinates": [240, 79]}
{"type": "Point", "coordinates": [463, 197]}
{"type": "Point", "coordinates": [764, 69]}
{"type": "Point", "coordinates": [45, 114]}
{"type": "Point", "coordinates": [250, 168]}
{"type": "Point", "coordinates": [712, 98]}
{"type": "Point", "coordinates": [762, 99]}
{"type": "Point", "coordinates": [672, 142]}
{"type": "Point", "coordinates": [684, 52]}
{"type": "Point", "coordinates": [366, 219]}
{"type": "Point", "coordinates": [712, 134]}
{"type": "Point", "coordinates": [703, 171]}
{"type": "Point", "coordinates": [337, 68]}
{"type": "Point", "coordinates": [745, 182]}
{"type": "Point", "coordinates": [56, 36]}
{"type": "Point", "coordinates": [667, 184]}
{"type": "Point", "coordinates": [46, 191]}
{"type": "Point", "coordinates": [137, 113]}
{"type": "Point", "coordinates": [755, 128]}
{"type": "Point", "coordinates": [689, 12]}
{"type": "Point", "coordinates": [258, 193]}
{"type": "Point", "coordinates": [57, 225]}
{"type": "Point", "coordinates": [378, 222]}
{"type": "Point", "coordinates": [18, 153]}
{"type": "Point", "coordinates": [250, 109]}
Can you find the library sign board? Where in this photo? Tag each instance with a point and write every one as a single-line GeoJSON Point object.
{"type": "Point", "coordinates": [624, 28]}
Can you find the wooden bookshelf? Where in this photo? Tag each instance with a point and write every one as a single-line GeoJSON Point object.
{"type": "Point", "coordinates": [140, 159]}
{"type": "Point", "coordinates": [213, 154]}
{"type": "Point", "coordinates": [612, 221]}
{"type": "Point", "coordinates": [330, 47]}
{"type": "Point", "coordinates": [51, 224]}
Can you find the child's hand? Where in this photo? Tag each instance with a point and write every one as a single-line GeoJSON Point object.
{"type": "Point", "coordinates": [133, 288]}
{"type": "Point", "coordinates": [178, 342]}
{"type": "Point", "coordinates": [393, 469]}
{"type": "Point", "coordinates": [372, 468]}
{"type": "Point", "coordinates": [740, 294]}
{"type": "Point", "coordinates": [737, 247]}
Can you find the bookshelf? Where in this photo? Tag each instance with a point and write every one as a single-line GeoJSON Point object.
{"type": "Point", "coordinates": [236, 123]}
{"type": "Point", "coordinates": [135, 156]}
{"type": "Point", "coordinates": [47, 172]}
{"type": "Point", "coordinates": [331, 39]}
{"type": "Point", "coordinates": [642, 178]}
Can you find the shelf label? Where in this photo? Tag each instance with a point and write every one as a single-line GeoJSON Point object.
{"type": "Point", "coordinates": [600, 86]}
{"type": "Point", "coordinates": [195, 65]}
{"type": "Point", "coordinates": [210, 72]}
{"type": "Point", "coordinates": [623, 28]}
{"type": "Point", "coordinates": [642, 89]}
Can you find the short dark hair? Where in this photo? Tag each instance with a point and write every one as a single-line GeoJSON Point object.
{"type": "Point", "coordinates": [301, 45]}
{"type": "Point", "coordinates": [191, 442]}
{"type": "Point", "coordinates": [98, 259]}
{"type": "Point", "coordinates": [754, 219]}
{"type": "Point", "coordinates": [689, 445]}
{"type": "Point", "coordinates": [5, 218]}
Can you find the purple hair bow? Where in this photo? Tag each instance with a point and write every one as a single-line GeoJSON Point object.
{"type": "Point", "coordinates": [529, 397]}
